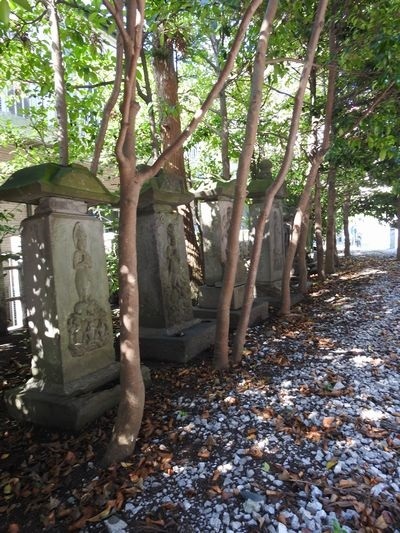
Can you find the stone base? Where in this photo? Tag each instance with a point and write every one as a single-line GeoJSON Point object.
{"type": "Point", "coordinates": [259, 313]}
{"type": "Point", "coordinates": [179, 348]}
{"type": "Point", "coordinates": [209, 296]}
{"type": "Point", "coordinates": [69, 413]}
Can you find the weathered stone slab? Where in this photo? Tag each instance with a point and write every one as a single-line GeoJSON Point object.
{"type": "Point", "coordinates": [259, 313]}
{"type": "Point", "coordinates": [209, 296]}
{"type": "Point", "coordinates": [181, 347]}
{"type": "Point", "coordinates": [68, 412]}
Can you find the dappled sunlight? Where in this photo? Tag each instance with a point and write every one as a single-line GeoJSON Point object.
{"type": "Point", "coordinates": [366, 272]}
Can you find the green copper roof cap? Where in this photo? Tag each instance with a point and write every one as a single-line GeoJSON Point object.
{"type": "Point", "coordinates": [30, 184]}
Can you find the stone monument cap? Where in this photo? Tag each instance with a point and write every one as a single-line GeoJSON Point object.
{"type": "Point", "coordinates": [164, 189]}
{"type": "Point", "coordinates": [28, 185]}
{"type": "Point", "coordinates": [213, 190]}
{"type": "Point", "coordinates": [261, 178]}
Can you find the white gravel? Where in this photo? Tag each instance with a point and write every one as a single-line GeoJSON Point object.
{"type": "Point", "coordinates": [325, 423]}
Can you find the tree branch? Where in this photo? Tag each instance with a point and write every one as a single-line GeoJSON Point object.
{"type": "Point", "coordinates": [198, 116]}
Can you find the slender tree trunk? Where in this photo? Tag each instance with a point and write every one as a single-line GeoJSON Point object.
{"type": "Point", "coordinates": [295, 234]}
{"type": "Point", "coordinates": [318, 228]}
{"type": "Point", "coordinates": [346, 214]}
{"type": "Point", "coordinates": [148, 98]}
{"type": "Point", "coordinates": [274, 188]}
{"type": "Point", "coordinates": [331, 221]}
{"type": "Point", "coordinates": [398, 229]}
{"type": "Point", "coordinates": [223, 110]}
{"type": "Point", "coordinates": [167, 95]}
{"type": "Point", "coordinates": [101, 135]}
{"type": "Point", "coordinates": [226, 171]}
{"type": "Point", "coordinates": [302, 252]}
{"type": "Point", "coordinates": [310, 183]}
{"type": "Point", "coordinates": [221, 349]}
{"type": "Point", "coordinates": [170, 119]}
{"type": "Point", "coordinates": [59, 81]}
{"type": "Point", "coordinates": [130, 410]}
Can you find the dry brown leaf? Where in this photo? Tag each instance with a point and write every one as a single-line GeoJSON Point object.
{"type": "Point", "coordinates": [255, 452]}
{"type": "Point", "coordinates": [203, 453]}
{"type": "Point", "coordinates": [329, 422]}
{"type": "Point", "coordinates": [347, 483]}
{"type": "Point", "coordinates": [70, 458]}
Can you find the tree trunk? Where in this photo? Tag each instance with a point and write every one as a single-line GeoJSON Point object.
{"type": "Point", "coordinates": [221, 349]}
{"type": "Point", "coordinates": [59, 81]}
{"type": "Point", "coordinates": [226, 171]}
{"type": "Point", "coordinates": [302, 252]}
{"type": "Point", "coordinates": [110, 104]}
{"type": "Point", "coordinates": [130, 410]}
{"type": "Point", "coordinates": [167, 95]}
{"type": "Point", "coordinates": [148, 98]}
{"type": "Point", "coordinates": [346, 214]}
{"type": "Point", "coordinates": [330, 221]}
{"type": "Point", "coordinates": [310, 183]}
{"type": "Point", "coordinates": [274, 188]}
{"type": "Point", "coordinates": [318, 228]}
{"type": "Point", "coordinates": [170, 119]}
{"type": "Point", "coordinates": [398, 229]}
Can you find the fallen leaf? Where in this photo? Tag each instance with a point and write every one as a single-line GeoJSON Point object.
{"type": "Point", "coordinates": [256, 452]}
{"type": "Point", "coordinates": [331, 464]}
{"type": "Point", "coordinates": [203, 453]}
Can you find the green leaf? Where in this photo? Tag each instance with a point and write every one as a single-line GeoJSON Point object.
{"type": "Point", "coordinates": [4, 12]}
{"type": "Point", "coordinates": [266, 467]}
{"type": "Point", "coordinates": [22, 3]}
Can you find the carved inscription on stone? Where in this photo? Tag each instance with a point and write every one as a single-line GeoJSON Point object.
{"type": "Point", "coordinates": [88, 327]}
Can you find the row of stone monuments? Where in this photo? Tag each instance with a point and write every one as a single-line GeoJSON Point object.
{"type": "Point", "coordinates": [74, 369]}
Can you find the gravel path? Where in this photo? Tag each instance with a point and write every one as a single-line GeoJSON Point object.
{"type": "Point", "coordinates": [304, 436]}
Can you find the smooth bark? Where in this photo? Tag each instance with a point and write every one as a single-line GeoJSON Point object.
{"type": "Point", "coordinates": [318, 228]}
{"type": "Point", "coordinates": [221, 349]}
{"type": "Point", "coordinates": [130, 410]}
{"type": "Point", "coordinates": [398, 229]}
{"type": "Point", "coordinates": [274, 188]}
{"type": "Point", "coordinates": [310, 182]}
{"type": "Point", "coordinates": [59, 81]}
{"type": "Point", "coordinates": [110, 104]}
{"type": "Point", "coordinates": [346, 215]}
{"type": "Point", "coordinates": [302, 252]}
{"type": "Point", "coordinates": [331, 221]}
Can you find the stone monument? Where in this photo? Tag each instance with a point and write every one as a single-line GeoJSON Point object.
{"type": "Point", "coordinates": [270, 269]}
{"type": "Point", "coordinates": [74, 371]}
{"type": "Point", "coordinates": [215, 208]}
{"type": "Point", "coordinates": [168, 329]}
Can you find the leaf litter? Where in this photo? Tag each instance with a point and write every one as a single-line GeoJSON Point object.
{"type": "Point", "coordinates": [303, 436]}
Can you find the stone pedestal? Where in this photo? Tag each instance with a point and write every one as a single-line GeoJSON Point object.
{"type": "Point", "coordinates": [74, 371]}
{"type": "Point", "coordinates": [215, 208]}
{"type": "Point", "coordinates": [270, 269]}
{"type": "Point", "coordinates": [168, 329]}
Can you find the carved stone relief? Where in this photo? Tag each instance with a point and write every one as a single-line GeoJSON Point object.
{"type": "Point", "coordinates": [87, 326]}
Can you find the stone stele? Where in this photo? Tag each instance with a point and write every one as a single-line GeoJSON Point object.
{"type": "Point", "coordinates": [168, 329]}
{"type": "Point", "coordinates": [74, 370]}
{"type": "Point", "coordinates": [215, 203]}
{"type": "Point", "coordinates": [270, 270]}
